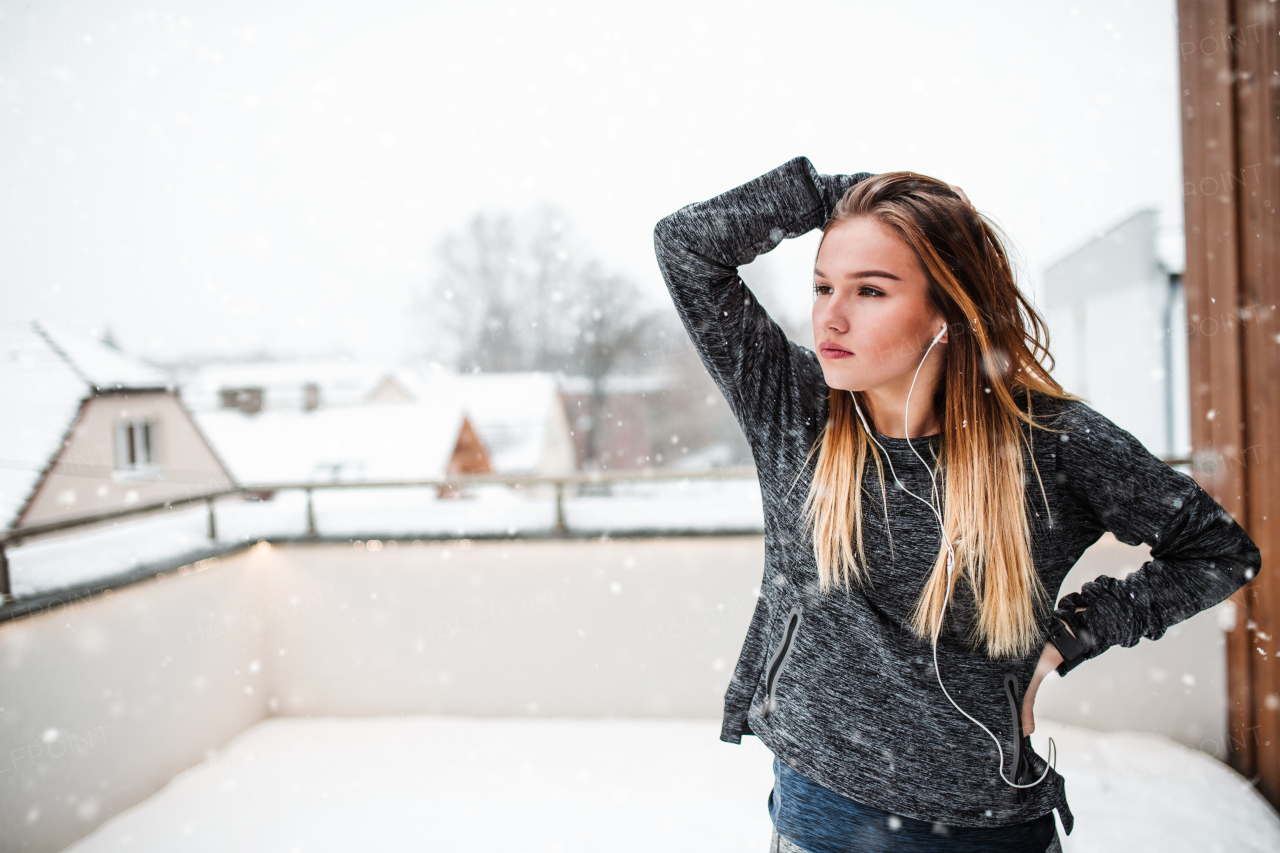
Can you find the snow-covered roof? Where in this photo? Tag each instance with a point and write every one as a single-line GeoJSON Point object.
{"type": "Point", "coordinates": [510, 411]}
{"type": "Point", "coordinates": [99, 365]}
{"type": "Point", "coordinates": [342, 382]}
{"type": "Point", "coordinates": [45, 374]}
{"type": "Point", "coordinates": [640, 383]}
{"type": "Point", "coordinates": [413, 441]}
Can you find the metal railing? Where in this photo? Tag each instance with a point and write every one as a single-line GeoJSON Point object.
{"type": "Point", "coordinates": [9, 538]}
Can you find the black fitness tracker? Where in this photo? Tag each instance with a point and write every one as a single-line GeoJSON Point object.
{"type": "Point", "coordinates": [1072, 649]}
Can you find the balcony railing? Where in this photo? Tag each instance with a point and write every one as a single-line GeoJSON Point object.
{"type": "Point", "coordinates": [10, 608]}
{"type": "Point", "coordinates": [560, 484]}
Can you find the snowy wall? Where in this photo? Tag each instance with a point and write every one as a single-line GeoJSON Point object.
{"type": "Point", "coordinates": [626, 628]}
{"type": "Point", "coordinates": [103, 702]}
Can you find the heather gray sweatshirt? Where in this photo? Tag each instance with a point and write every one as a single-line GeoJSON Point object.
{"type": "Point", "coordinates": [854, 702]}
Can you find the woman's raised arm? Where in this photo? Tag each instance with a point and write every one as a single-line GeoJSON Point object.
{"type": "Point", "coordinates": [700, 248]}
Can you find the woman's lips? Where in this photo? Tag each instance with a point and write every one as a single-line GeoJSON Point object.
{"type": "Point", "coordinates": [827, 350]}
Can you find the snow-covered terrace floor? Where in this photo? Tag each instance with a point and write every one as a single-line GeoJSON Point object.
{"type": "Point", "coordinates": [563, 786]}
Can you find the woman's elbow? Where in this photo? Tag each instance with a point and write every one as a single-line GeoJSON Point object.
{"type": "Point", "coordinates": [1252, 560]}
{"type": "Point", "coordinates": [666, 231]}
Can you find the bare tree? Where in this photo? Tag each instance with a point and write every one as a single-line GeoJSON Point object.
{"type": "Point", "coordinates": [689, 415]}
{"type": "Point", "coordinates": [474, 300]}
{"type": "Point", "coordinates": [520, 296]}
{"type": "Point", "coordinates": [611, 326]}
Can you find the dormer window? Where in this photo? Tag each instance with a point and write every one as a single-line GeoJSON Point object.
{"type": "Point", "coordinates": [135, 447]}
{"type": "Point", "coordinates": [247, 400]}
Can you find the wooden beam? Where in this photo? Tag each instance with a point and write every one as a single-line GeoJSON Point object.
{"type": "Point", "coordinates": [1231, 172]}
{"type": "Point", "coordinates": [1255, 43]}
{"type": "Point", "coordinates": [1213, 294]}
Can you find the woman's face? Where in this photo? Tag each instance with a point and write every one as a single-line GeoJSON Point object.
{"type": "Point", "coordinates": [871, 320]}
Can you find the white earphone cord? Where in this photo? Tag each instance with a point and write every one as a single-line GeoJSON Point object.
{"type": "Point", "coordinates": [951, 559]}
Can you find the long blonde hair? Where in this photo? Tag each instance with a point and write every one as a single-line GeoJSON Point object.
{"type": "Point", "coordinates": [996, 344]}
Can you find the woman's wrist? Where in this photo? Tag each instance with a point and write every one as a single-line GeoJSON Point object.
{"type": "Point", "coordinates": [833, 187]}
{"type": "Point", "coordinates": [1050, 658]}
{"type": "Point", "coordinates": [1072, 646]}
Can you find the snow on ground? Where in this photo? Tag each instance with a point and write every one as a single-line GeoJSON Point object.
{"type": "Point", "coordinates": [439, 783]}
{"type": "Point", "coordinates": [1135, 791]}
{"type": "Point", "coordinates": [674, 505]}
{"type": "Point", "coordinates": [57, 563]}
{"type": "Point", "coordinates": [669, 506]}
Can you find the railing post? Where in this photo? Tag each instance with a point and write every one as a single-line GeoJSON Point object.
{"type": "Point", "coordinates": [6, 595]}
{"type": "Point", "coordinates": [213, 523]}
{"type": "Point", "coordinates": [561, 528]}
{"type": "Point", "coordinates": [311, 517]}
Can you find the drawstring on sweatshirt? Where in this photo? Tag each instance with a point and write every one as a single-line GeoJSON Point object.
{"type": "Point", "coordinates": [951, 561]}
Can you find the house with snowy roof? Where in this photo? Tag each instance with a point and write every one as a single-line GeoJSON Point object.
{"type": "Point", "coordinates": [519, 417]}
{"type": "Point", "coordinates": [408, 425]}
{"type": "Point", "coordinates": [88, 429]}
{"type": "Point", "coordinates": [303, 383]}
{"type": "Point", "coordinates": [347, 444]}
{"type": "Point", "coordinates": [626, 413]}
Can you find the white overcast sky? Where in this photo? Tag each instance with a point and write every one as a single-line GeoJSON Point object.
{"type": "Point", "coordinates": [218, 177]}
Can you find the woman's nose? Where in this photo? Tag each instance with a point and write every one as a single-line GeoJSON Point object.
{"type": "Point", "coordinates": [832, 316]}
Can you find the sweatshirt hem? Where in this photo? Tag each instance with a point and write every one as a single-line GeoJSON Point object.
{"type": "Point", "coordinates": [1054, 802]}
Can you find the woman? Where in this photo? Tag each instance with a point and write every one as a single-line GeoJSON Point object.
{"type": "Point", "coordinates": [904, 620]}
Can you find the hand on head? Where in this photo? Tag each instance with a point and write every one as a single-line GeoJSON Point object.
{"type": "Point", "coordinates": [960, 193]}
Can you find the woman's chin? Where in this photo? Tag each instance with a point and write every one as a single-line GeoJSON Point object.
{"type": "Point", "coordinates": [839, 380]}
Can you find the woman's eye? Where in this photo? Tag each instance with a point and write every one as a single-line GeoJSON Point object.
{"type": "Point", "coordinates": [865, 290]}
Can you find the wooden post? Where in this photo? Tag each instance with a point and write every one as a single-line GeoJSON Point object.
{"type": "Point", "coordinates": [6, 593]}
{"type": "Point", "coordinates": [1228, 53]}
{"type": "Point", "coordinates": [561, 528]}
{"type": "Point", "coordinates": [213, 522]}
{"type": "Point", "coordinates": [311, 517]}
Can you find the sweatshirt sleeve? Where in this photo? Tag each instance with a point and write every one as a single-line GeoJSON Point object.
{"type": "Point", "coordinates": [1199, 554]}
{"type": "Point", "coordinates": [700, 248]}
